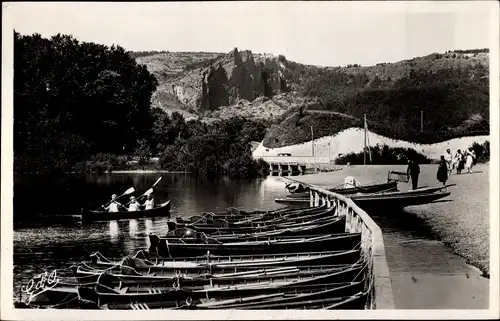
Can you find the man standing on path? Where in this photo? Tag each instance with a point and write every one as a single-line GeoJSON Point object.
{"type": "Point", "coordinates": [413, 171]}
{"type": "Point", "coordinates": [449, 159]}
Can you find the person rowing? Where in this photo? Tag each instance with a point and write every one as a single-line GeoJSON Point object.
{"type": "Point", "coordinates": [134, 205]}
{"type": "Point", "coordinates": [114, 206]}
{"type": "Point", "coordinates": [149, 204]}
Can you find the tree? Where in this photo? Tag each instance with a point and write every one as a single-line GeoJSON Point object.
{"type": "Point", "coordinates": [93, 98]}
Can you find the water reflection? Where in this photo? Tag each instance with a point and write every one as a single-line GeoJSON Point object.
{"type": "Point", "coordinates": [148, 229]}
{"type": "Point", "coordinates": [132, 227]}
{"type": "Point", "coordinates": [114, 230]}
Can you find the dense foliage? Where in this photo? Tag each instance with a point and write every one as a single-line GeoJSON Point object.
{"type": "Point", "coordinates": [450, 91]}
{"type": "Point", "coordinates": [383, 155]}
{"type": "Point", "coordinates": [482, 151]}
{"type": "Point", "coordinates": [454, 102]}
{"type": "Point", "coordinates": [221, 148]}
{"type": "Point", "coordinates": [86, 107]}
{"type": "Point", "coordinates": [75, 99]}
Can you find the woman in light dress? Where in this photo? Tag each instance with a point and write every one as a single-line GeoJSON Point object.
{"type": "Point", "coordinates": [469, 160]}
{"type": "Point", "coordinates": [458, 163]}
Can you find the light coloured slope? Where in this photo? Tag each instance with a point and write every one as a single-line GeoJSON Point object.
{"type": "Point", "coordinates": [351, 141]}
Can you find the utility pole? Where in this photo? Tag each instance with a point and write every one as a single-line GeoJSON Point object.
{"type": "Point", "coordinates": [364, 149]}
{"type": "Point", "coordinates": [312, 136]}
{"type": "Point", "coordinates": [421, 121]}
{"type": "Point", "coordinates": [329, 154]}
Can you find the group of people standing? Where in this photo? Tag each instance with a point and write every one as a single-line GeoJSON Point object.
{"type": "Point", "coordinates": [460, 161]}
{"type": "Point", "coordinates": [133, 205]}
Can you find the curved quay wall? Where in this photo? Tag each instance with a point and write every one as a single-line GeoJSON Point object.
{"type": "Point", "coordinates": [372, 243]}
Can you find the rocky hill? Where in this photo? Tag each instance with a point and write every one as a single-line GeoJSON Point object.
{"type": "Point", "coordinates": [450, 88]}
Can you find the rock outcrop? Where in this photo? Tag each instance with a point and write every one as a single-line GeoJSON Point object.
{"type": "Point", "coordinates": [238, 75]}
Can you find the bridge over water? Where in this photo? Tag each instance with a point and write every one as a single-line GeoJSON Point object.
{"type": "Point", "coordinates": [295, 164]}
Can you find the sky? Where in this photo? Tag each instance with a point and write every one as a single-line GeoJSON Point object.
{"type": "Point", "coordinates": [319, 33]}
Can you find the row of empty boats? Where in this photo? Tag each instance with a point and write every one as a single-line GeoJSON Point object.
{"type": "Point", "coordinates": [285, 259]}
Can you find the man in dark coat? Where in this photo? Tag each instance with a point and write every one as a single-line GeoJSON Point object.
{"type": "Point", "coordinates": [442, 173]}
{"type": "Point", "coordinates": [413, 172]}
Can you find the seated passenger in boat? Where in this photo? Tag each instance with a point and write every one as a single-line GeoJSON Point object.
{"type": "Point", "coordinates": [114, 206]}
{"type": "Point", "coordinates": [149, 204]}
{"type": "Point", "coordinates": [134, 205]}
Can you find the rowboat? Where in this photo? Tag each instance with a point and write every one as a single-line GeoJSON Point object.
{"type": "Point", "coordinates": [227, 220]}
{"type": "Point", "coordinates": [339, 241]}
{"type": "Point", "coordinates": [369, 188]}
{"type": "Point", "coordinates": [255, 226]}
{"type": "Point", "coordinates": [390, 201]}
{"type": "Point", "coordinates": [162, 209]}
{"type": "Point", "coordinates": [387, 200]}
{"type": "Point", "coordinates": [137, 282]}
{"type": "Point", "coordinates": [282, 296]}
{"type": "Point", "coordinates": [329, 225]}
{"type": "Point", "coordinates": [106, 292]}
{"type": "Point", "coordinates": [224, 263]}
{"type": "Point", "coordinates": [292, 201]}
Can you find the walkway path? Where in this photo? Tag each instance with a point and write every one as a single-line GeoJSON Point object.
{"type": "Point", "coordinates": [425, 274]}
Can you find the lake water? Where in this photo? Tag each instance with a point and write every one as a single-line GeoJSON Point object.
{"type": "Point", "coordinates": [42, 244]}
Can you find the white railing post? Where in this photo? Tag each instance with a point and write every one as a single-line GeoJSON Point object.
{"type": "Point", "coordinates": [311, 198]}
{"type": "Point", "coordinates": [316, 199]}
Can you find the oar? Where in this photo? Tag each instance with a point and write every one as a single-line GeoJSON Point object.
{"type": "Point", "coordinates": [127, 192]}
{"type": "Point", "coordinates": [149, 191]}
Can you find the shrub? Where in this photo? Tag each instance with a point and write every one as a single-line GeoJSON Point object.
{"type": "Point", "coordinates": [482, 151]}
{"type": "Point", "coordinates": [384, 155]}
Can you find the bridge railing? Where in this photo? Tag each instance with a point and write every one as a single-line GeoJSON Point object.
{"type": "Point", "coordinates": [372, 243]}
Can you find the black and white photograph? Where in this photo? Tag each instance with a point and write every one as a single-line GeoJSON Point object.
{"type": "Point", "coordinates": [250, 160]}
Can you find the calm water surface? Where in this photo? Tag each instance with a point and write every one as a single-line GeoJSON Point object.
{"type": "Point", "coordinates": [42, 242]}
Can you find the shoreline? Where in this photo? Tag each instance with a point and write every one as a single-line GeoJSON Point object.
{"type": "Point", "coordinates": [459, 227]}
{"type": "Point", "coordinates": [146, 171]}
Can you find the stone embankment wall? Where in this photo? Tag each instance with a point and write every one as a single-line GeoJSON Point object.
{"type": "Point", "coordinates": [372, 243]}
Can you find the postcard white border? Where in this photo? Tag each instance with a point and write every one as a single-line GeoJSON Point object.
{"type": "Point", "coordinates": [6, 281]}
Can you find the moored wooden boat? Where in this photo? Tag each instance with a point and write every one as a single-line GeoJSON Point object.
{"type": "Point", "coordinates": [306, 244]}
{"type": "Point", "coordinates": [387, 201]}
{"type": "Point", "coordinates": [278, 296]}
{"type": "Point", "coordinates": [224, 263]}
{"type": "Point", "coordinates": [106, 292]}
{"type": "Point", "coordinates": [233, 220]}
{"type": "Point", "coordinates": [162, 209]}
{"type": "Point", "coordinates": [369, 188]}
{"type": "Point", "coordinates": [137, 282]}
{"type": "Point", "coordinates": [328, 225]}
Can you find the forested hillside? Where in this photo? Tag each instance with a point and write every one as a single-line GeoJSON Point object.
{"type": "Point", "coordinates": [450, 90]}
{"type": "Point", "coordinates": [87, 107]}
{"type": "Point", "coordinates": [451, 93]}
